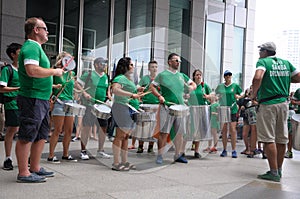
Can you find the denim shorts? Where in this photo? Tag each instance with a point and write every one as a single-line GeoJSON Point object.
{"type": "Point", "coordinates": [58, 109]}
{"type": "Point", "coordinates": [34, 119]}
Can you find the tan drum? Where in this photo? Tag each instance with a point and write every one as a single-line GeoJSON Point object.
{"type": "Point", "coordinates": [101, 111]}
{"type": "Point", "coordinates": [224, 114]}
{"type": "Point", "coordinates": [200, 123]}
{"type": "Point", "coordinates": [74, 109]}
{"type": "Point", "coordinates": [296, 131]}
{"type": "Point", "coordinates": [179, 110]}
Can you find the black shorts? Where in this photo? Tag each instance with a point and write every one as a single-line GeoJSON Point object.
{"type": "Point", "coordinates": [12, 118]}
{"type": "Point", "coordinates": [34, 119]}
{"type": "Point", "coordinates": [234, 117]}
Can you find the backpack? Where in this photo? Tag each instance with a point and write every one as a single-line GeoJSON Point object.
{"type": "Point", "coordinates": [3, 98]}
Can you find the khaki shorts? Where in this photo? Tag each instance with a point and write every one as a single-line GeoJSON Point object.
{"type": "Point", "coordinates": [272, 123]}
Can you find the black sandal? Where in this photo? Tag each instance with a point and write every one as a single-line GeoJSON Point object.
{"type": "Point", "coordinates": [119, 167]}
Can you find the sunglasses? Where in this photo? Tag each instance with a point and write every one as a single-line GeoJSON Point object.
{"type": "Point", "coordinates": [262, 49]}
{"type": "Point", "coordinates": [45, 28]}
{"type": "Point", "coordinates": [176, 60]}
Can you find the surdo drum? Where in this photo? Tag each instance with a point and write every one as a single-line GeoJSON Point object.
{"type": "Point", "coordinates": [74, 109]}
{"type": "Point", "coordinates": [200, 123]}
{"type": "Point", "coordinates": [296, 131]}
{"type": "Point", "coordinates": [146, 123]}
{"type": "Point", "coordinates": [101, 111]}
{"type": "Point", "coordinates": [179, 110]}
{"type": "Point", "coordinates": [224, 114]}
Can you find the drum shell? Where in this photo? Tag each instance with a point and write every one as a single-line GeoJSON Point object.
{"type": "Point", "coordinates": [74, 109]}
{"type": "Point", "coordinates": [149, 107]}
{"type": "Point", "coordinates": [199, 128]}
{"type": "Point", "coordinates": [145, 126]}
{"type": "Point", "coordinates": [224, 114]}
{"type": "Point", "coordinates": [179, 110]}
{"type": "Point", "coordinates": [96, 110]}
{"type": "Point", "coordinates": [296, 131]}
{"type": "Point", "coordinates": [251, 115]}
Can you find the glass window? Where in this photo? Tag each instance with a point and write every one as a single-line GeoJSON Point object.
{"type": "Point", "coordinates": [238, 50]}
{"type": "Point", "coordinates": [179, 31]}
{"type": "Point", "coordinates": [240, 3]}
{"type": "Point", "coordinates": [51, 17]}
{"type": "Point", "coordinates": [95, 30]}
{"type": "Point", "coordinates": [212, 69]}
{"type": "Point", "coordinates": [140, 33]}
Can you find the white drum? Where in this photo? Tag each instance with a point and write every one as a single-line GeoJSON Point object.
{"type": "Point", "coordinates": [101, 111]}
{"type": "Point", "coordinates": [74, 109]}
{"type": "Point", "coordinates": [296, 131]}
{"type": "Point", "coordinates": [149, 107]}
{"type": "Point", "coordinates": [145, 126]}
{"type": "Point", "coordinates": [224, 114]}
{"type": "Point", "coordinates": [179, 110]}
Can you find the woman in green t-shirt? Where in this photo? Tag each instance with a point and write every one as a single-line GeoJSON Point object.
{"type": "Point", "coordinates": [123, 110]}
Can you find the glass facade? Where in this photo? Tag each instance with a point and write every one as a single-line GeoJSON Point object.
{"type": "Point", "coordinates": [238, 51]}
{"type": "Point", "coordinates": [212, 69]}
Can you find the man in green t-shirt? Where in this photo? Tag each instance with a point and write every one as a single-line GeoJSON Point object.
{"type": "Point", "coordinates": [10, 89]}
{"type": "Point", "coordinates": [97, 83]}
{"type": "Point", "coordinates": [172, 86]}
{"type": "Point", "coordinates": [271, 84]}
{"type": "Point", "coordinates": [35, 77]}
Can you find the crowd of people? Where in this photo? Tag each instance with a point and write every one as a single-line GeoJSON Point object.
{"type": "Point", "coordinates": [34, 92]}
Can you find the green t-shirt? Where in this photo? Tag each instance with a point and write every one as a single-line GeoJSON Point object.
{"type": "Point", "coordinates": [196, 96]}
{"type": "Point", "coordinates": [276, 80]}
{"type": "Point", "coordinates": [226, 94]}
{"type": "Point", "coordinates": [214, 121]}
{"type": "Point", "coordinates": [5, 74]}
{"type": "Point", "coordinates": [128, 86]}
{"type": "Point", "coordinates": [149, 98]}
{"type": "Point", "coordinates": [32, 87]}
{"type": "Point", "coordinates": [97, 85]}
{"type": "Point", "coordinates": [67, 81]}
{"type": "Point", "coordinates": [172, 85]}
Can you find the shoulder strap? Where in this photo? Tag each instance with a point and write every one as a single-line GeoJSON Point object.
{"type": "Point", "coordinates": [11, 71]}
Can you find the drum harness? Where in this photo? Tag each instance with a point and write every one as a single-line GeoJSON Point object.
{"type": "Point", "coordinates": [54, 98]}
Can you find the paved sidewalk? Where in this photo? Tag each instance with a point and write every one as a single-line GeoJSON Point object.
{"type": "Point", "coordinates": [209, 177]}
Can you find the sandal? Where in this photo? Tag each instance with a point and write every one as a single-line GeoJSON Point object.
{"type": "Point", "coordinates": [129, 166]}
{"type": "Point", "coordinates": [131, 147]}
{"type": "Point", "coordinates": [119, 167]}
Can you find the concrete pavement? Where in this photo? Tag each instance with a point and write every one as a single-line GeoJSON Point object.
{"type": "Point", "coordinates": [209, 177]}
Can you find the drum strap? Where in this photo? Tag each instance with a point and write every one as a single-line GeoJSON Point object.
{"type": "Point", "coordinates": [271, 98]}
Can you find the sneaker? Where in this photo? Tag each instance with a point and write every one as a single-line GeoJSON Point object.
{"type": "Point", "coordinates": [224, 153]}
{"type": "Point", "coordinates": [213, 150]}
{"type": "Point", "coordinates": [33, 178]}
{"type": "Point", "coordinates": [44, 173]}
{"type": "Point", "coordinates": [159, 159]}
{"type": "Point", "coordinates": [104, 155]}
{"type": "Point", "coordinates": [84, 155]}
{"type": "Point", "coordinates": [53, 160]}
{"type": "Point", "coordinates": [233, 154]}
{"type": "Point", "coordinates": [181, 159]}
{"type": "Point", "coordinates": [288, 154]}
{"type": "Point", "coordinates": [197, 155]}
{"type": "Point", "coordinates": [150, 151]}
{"type": "Point", "coordinates": [69, 158]}
{"type": "Point", "coordinates": [7, 165]}
{"type": "Point", "coordinates": [260, 151]}
{"type": "Point", "coordinates": [140, 150]}
{"type": "Point", "coordinates": [269, 176]}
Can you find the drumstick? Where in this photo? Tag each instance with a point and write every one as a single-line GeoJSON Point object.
{"type": "Point", "coordinates": [134, 109]}
{"type": "Point", "coordinates": [101, 102]}
{"type": "Point", "coordinates": [81, 90]}
{"type": "Point", "coordinates": [146, 93]}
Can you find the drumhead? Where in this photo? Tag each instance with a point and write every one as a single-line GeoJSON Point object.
{"type": "Point", "coordinates": [102, 108]}
{"type": "Point", "coordinates": [296, 117]}
{"type": "Point", "coordinates": [68, 63]}
{"type": "Point", "coordinates": [179, 107]}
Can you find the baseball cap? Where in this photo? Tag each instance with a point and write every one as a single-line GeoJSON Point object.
{"type": "Point", "coordinates": [270, 46]}
{"type": "Point", "coordinates": [100, 60]}
{"type": "Point", "coordinates": [227, 72]}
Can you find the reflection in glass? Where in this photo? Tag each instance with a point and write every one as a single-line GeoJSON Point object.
{"type": "Point", "coordinates": [238, 48]}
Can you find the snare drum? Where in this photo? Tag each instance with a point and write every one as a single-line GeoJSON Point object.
{"type": "Point", "coordinates": [251, 115]}
{"type": "Point", "coordinates": [101, 111]}
{"type": "Point", "coordinates": [200, 123]}
{"type": "Point", "coordinates": [224, 114]}
{"type": "Point", "coordinates": [74, 109]}
{"type": "Point", "coordinates": [179, 110]}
